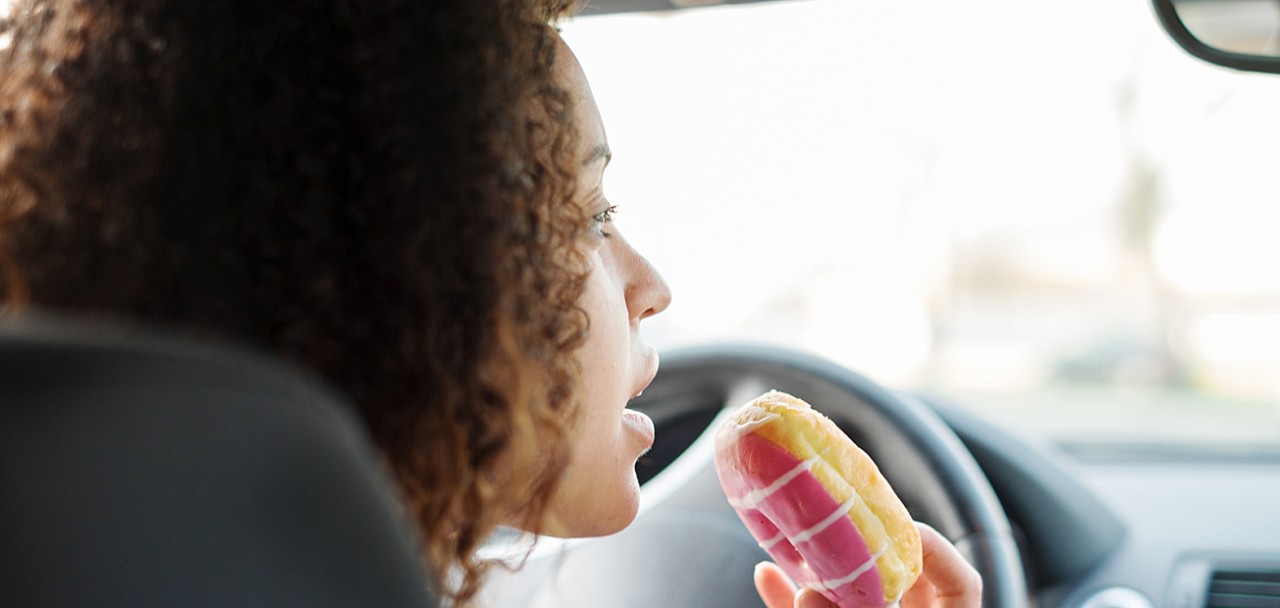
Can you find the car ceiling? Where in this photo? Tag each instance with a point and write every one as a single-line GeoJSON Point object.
{"type": "Point", "coordinates": [602, 7]}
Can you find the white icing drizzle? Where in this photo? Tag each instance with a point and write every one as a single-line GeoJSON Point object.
{"type": "Point", "coordinates": [733, 431]}
{"type": "Point", "coordinates": [816, 529]}
{"type": "Point", "coordinates": [773, 541]}
{"type": "Point", "coordinates": [853, 576]}
{"type": "Point", "coordinates": [753, 498]}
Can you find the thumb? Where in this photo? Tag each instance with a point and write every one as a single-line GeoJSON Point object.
{"type": "Point", "coordinates": [774, 586]}
{"type": "Point", "coordinates": [808, 598]}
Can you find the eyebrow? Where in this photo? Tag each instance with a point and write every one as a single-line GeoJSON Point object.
{"type": "Point", "coordinates": [597, 153]}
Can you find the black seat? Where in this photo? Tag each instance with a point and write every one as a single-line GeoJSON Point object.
{"type": "Point", "coordinates": [145, 471]}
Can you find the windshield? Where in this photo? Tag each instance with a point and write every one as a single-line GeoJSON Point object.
{"type": "Point", "coordinates": [1042, 211]}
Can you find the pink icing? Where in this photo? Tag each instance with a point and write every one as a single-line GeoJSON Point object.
{"type": "Point", "coordinates": [832, 554]}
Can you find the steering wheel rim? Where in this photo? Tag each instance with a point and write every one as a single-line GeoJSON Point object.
{"type": "Point", "coordinates": [922, 457]}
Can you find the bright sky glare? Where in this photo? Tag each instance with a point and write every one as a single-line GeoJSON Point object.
{"type": "Point", "coordinates": [819, 173]}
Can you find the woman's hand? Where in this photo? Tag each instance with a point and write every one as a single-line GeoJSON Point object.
{"type": "Point", "coordinates": [946, 581]}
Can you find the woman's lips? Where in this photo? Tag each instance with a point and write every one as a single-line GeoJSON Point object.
{"type": "Point", "coordinates": [641, 424]}
{"type": "Point", "coordinates": [651, 372]}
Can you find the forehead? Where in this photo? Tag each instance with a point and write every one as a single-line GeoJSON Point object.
{"type": "Point", "coordinates": [568, 72]}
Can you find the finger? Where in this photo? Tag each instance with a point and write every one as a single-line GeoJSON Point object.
{"type": "Point", "coordinates": [774, 586]}
{"type": "Point", "coordinates": [808, 598]}
{"type": "Point", "coordinates": [920, 595]}
{"type": "Point", "coordinates": [956, 584]}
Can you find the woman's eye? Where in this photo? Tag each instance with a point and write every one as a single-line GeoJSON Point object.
{"type": "Point", "coordinates": [602, 219]}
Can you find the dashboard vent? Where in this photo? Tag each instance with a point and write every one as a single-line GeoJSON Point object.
{"type": "Point", "coordinates": [1244, 589]}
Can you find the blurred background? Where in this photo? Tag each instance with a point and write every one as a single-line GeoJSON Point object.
{"type": "Point", "coordinates": [1044, 211]}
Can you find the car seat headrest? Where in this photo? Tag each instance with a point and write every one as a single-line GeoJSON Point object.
{"type": "Point", "coordinates": [147, 471]}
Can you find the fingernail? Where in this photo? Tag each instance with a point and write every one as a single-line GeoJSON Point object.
{"type": "Point", "coordinates": [812, 599]}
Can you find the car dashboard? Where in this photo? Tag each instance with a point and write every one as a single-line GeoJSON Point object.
{"type": "Point", "coordinates": [1200, 531]}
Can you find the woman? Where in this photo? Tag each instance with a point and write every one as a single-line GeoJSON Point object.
{"type": "Point", "coordinates": [403, 196]}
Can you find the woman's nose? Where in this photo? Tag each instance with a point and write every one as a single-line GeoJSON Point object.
{"type": "Point", "coordinates": [647, 292]}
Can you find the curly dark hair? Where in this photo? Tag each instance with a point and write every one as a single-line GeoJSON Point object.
{"type": "Point", "coordinates": [377, 189]}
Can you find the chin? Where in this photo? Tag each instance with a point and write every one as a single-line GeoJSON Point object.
{"type": "Point", "coordinates": [614, 524]}
{"type": "Point", "coordinates": [591, 516]}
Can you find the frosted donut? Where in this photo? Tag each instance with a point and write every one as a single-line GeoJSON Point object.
{"type": "Point", "coordinates": [817, 503]}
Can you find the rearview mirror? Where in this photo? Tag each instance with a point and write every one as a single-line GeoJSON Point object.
{"type": "Point", "coordinates": [1240, 34]}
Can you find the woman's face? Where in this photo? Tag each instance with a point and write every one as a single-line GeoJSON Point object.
{"type": "Point", "coordinates": [600, 494]}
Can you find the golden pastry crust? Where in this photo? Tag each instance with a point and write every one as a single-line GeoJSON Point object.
{"type": "Point", "coordinates": [844, 470]}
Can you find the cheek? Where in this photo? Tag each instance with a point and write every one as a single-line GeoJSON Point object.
{"type": "Point", "coordinates": [600, 494]}
{"type": "Point", "coordinates": [606, 377]}
{"type": "Point", "coordinates": [604, 356]}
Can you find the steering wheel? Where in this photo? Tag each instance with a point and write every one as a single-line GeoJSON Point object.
{"type": "Point", "coordinates": [688, 548]}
